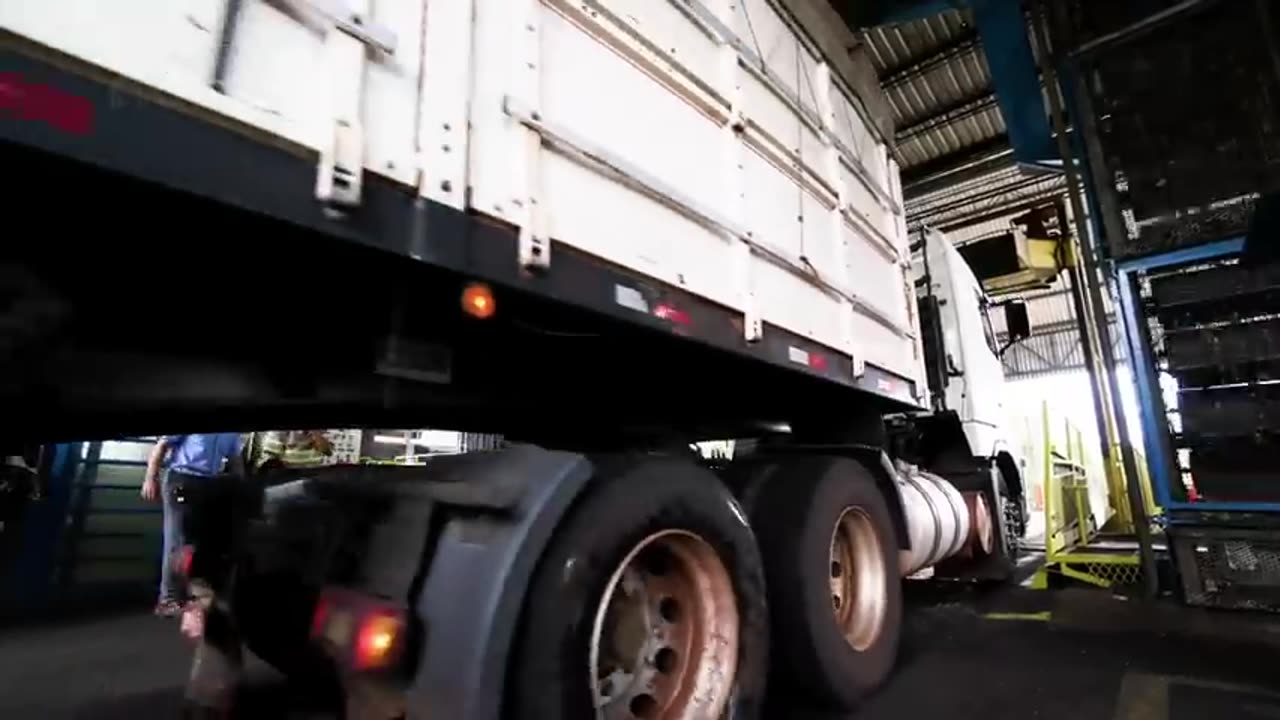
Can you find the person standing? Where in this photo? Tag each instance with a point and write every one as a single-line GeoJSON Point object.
{"type": "Point", "coordinates": [183, 459]}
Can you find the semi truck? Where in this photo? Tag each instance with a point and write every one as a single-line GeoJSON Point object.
{"type": "Point", "coordinates": [606, 229]}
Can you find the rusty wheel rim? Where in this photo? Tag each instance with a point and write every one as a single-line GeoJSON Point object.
{"type": "Point", "coordinates": [859, 579]}
{"type": "Point", "coordinates": [983, 532]}
{"type": "Point", "coordinates": [664, 644]}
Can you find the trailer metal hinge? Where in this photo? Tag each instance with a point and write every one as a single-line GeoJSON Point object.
{"type": "Point", "coordinates": [533, 248]}
{"type": "Point", "coordinates": [356, 24]}
{"type": "Point", "coordinates": [339, 175]}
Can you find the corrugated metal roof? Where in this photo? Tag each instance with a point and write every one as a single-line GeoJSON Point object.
{"type": "Point", "coordinates": [935, 76]}
{"type": "Point", "coordinates": [935, 67]}
{"type": "Point", "coordinates": [980, 197]}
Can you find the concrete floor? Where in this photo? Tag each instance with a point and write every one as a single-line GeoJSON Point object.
{"type": "Point", "coordinates": [1076, 655]}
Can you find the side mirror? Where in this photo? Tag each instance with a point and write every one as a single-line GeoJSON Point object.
{"type": "Point", "coordinates": [1016, 321]}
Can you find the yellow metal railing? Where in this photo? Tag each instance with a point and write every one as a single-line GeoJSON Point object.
{"type": "Point", "coordinates": [1066, 524]}
{"type": "Point", "coordinates": [1070, 528]}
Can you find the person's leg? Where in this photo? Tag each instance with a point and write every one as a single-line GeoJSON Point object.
{"type": "Point", "coordinates": [169, 585]}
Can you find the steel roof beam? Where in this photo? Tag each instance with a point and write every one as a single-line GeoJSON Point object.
{"type": "Point", "coordinates": [996, 214]}
{"type": "Point", "coordinates": [942, 169]}
{"type": "Point", "coordinates": [955, 47]}
{"type": "Point", "coordinates": [943, 117]}
{"type": "Point", "coordinates": [979, 197]}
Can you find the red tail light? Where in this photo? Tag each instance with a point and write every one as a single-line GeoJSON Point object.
{"type": "Point", "coordinates": [364, 632]}
{"type": "Point", "coordinates": [378, 641]}
{"type": "Point", "coordinates": [182, 560]}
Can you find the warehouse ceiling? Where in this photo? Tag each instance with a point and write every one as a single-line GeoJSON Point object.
{"type": "Point", "coordinates": [952, 141]}
{"type": "Point", "coordinates": [959, 174]}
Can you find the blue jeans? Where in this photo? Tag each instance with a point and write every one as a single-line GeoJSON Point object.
{"type": "Point", "coordinates": [172, 541]}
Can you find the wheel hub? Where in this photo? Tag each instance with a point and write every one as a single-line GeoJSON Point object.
{"type": "Point", "coordinates": [859, 579]}
{"type": "Point", "coordinates": [664, 644]}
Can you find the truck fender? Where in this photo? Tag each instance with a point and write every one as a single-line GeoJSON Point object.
{"type": "Point", "coordinates": [474, 582]}
{"type": "Point", "coordinates": [877, 462]}
{"type": "Point", "coordinates": [1011, 473]}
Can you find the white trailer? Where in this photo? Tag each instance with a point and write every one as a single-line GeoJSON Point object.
{"type": "Point", "coordinates": [609, 227]}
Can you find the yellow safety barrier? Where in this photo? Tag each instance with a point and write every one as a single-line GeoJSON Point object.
{"type": "Point", "coordinates": [1072, 542]}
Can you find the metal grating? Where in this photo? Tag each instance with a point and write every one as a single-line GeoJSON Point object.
{"type": "Point", "coordinates": [1220, 346]}
{"type": "Point", "coordinates": [1229, 567]}
{"type": "Point", "coordinates": [1187, 108]}
{"type": "Point", "coordinates": [1215, 332]}
{"type": "Point", "coordinates": [1119, 575]}
{"type": "Point", "coordinates": [1232, 410]}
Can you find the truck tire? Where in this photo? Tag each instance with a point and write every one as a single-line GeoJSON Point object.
{"type": "Point", "coordinates": [649, 603]}
{"type": "Point", "coordinates": [835, 595]}
{"type": "Point", "coordinates": [1011, 527]}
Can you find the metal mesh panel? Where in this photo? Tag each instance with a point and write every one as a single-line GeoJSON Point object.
{"type": "Point", "coordinates": [1117, 574]}
{"type": "Point", "coordinates": [1230, 568]}
{"type": "Point", "coordinates": [1192, 110]}
{"type": "Point", "coordinates": [1192, 226]}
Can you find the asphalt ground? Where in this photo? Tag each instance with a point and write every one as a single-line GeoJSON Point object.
{"type": "Point", "coordinates": [967, 654]}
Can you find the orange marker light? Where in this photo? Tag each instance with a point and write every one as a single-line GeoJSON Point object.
{"type": "Point", "coordinates": [477, 301]}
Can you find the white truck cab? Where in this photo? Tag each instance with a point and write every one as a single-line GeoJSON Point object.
{"type": "Point", "coordinates": [973, 381]}
{"type": "Point", "coordinates": [963, 436]}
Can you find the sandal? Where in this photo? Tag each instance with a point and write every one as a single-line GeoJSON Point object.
{"type": "Point", "coordinates": [168, 608]}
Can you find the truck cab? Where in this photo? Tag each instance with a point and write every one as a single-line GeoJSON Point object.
{"type": "Point", "coordinates": [973, 382]}
{"type": "Point", "coordinates": [963, 437]}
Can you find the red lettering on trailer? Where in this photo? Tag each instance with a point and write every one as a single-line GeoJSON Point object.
{"type": "Point", "coordinates": [34, 102]}
{"type": "Point", "coordinates": [671, 314]}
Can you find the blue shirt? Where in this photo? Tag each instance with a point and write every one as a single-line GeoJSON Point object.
{"type": "Point", "coordinates": [204, 455]}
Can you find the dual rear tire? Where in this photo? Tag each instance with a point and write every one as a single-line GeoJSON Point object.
{"type": "Point", "coordinates": [831, 558]}
{"type": "Point", "coordinates": [650, 603]}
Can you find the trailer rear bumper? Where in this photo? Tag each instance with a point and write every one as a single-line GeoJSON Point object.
{"type": "Point", "coordinates": [445, 554]}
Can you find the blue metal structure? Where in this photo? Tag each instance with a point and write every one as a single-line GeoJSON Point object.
{"type": "Point", "coordinates": [1155, 430]}
{"type": "Point", "coordinates": [28, 583]}
{"type": "Point", "coordinates": [90, 540]}
{"type": "Point", "coordinates": [1176, 126]}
